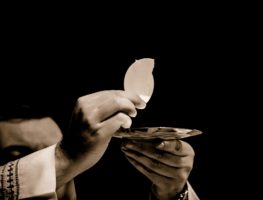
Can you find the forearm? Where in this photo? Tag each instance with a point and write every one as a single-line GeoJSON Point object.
{"type": "Point", "coordinates": [73, 158]}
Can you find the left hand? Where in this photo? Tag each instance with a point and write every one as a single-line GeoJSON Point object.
{"type": "Point", "coordinates": [167, 164]}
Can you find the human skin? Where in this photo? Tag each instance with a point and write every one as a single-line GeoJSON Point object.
{"type": "Point", "coordinates": [95, 118]}
{"type": "Point", "coordinates": [167, 164]}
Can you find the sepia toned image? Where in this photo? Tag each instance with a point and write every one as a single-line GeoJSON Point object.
{"type": "Point", "coordinates": [108, 121]}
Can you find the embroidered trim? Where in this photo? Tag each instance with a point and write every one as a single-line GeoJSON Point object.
{"type": "Point", "coordinates": [2, 189]}
{"type": "Point", "coordinates": [9, 181]}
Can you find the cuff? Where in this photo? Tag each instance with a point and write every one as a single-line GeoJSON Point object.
{"type": "Point", "coordinates": [30, 177]}
{"type": "Point", "coordinates": [37, 175]}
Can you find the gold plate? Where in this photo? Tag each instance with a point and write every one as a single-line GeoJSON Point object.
{"type": "Point", "coordinates": [166, 133]}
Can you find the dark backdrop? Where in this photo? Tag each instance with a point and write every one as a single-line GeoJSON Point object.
{"type": "Point", "coordinates": [50, 73]}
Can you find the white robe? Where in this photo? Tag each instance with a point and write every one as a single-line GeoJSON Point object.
{"type": "Point", "coordinates": [34, 176]}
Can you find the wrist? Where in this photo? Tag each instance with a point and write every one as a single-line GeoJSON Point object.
{"type": "Point", "coordinates": [157, 195]}
{"type": "Point", "coordinates": [72, 147]}
{"type": "Point", "coordinates": [63, 166]}
{"type": "Point", "coordinates": [183, 195]}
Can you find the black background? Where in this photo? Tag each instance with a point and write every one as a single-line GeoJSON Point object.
{"type": "Point", "coordinates": [205, 75]}
{"type": "Point", "coordinates": [51, 69]}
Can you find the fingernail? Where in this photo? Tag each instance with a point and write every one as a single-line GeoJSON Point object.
{"type": "Point", "coordinates": [133, 114]}
{"type": "Point", "coordinates": [129, 145]}
{"type": "Point", "coordinates": [141, 105]}
{"type": "Point", "coordinates": [123, 148]}
{"type": "Point", "coordinates": [160, 146]}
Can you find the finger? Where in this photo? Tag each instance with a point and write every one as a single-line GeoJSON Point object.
{"type": "Point", "coordinates": [159, 180]}
{"type": "Point", "coordinates": [111, 125]}
{"type": "Point", "coordinates": [176, 147]}
{"type": "Point", "coordinates": [152, 165]}
{"type": "Point", "coordinates": [159, 156]}
{"type": "Point", "coordinates": [153, 177]}
{"type": "Point", "coordinates": [101, 105]}
{"type": "Point", "coordinates": [118, 104]}
{"type": "Point", "coordinates": [111, 106]}
{"type": "Point", "coordinates": [138, 102]}
{"type": "Point", "coordinates": [134, 98]}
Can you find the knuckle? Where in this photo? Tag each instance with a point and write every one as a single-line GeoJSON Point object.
{"type": "Point", "coordinates": [89, 116]}
{"type": "Point", "coordinates": [125, 121]}
{"type": "Point", "coordinates": [117, 102]}
{"type": "Point", "coordinates": [121, 116]}
{"type": "Point", "coordinates": [117, 93]}
{"type": "Point", "coordinates": [93, 126]}
{"type": "Point", "coordinates": [80, 101]}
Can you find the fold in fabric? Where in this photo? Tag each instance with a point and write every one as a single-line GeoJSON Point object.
{"type": "Point", "coordinates": [31, 177]}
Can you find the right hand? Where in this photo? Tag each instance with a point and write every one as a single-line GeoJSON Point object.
{"type": "Point", "coordinates": [96, 117]}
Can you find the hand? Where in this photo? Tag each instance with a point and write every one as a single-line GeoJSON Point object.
{"type": "Point", "coordinates": [167, 164]}
{"type": "Point", "coordinates": [96, 117]}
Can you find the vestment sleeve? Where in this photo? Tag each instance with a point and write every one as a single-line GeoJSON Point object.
{"type": "Point", "coordinates": [30, 177]}
{"type": "Point", "coordinates": [191, 193]}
